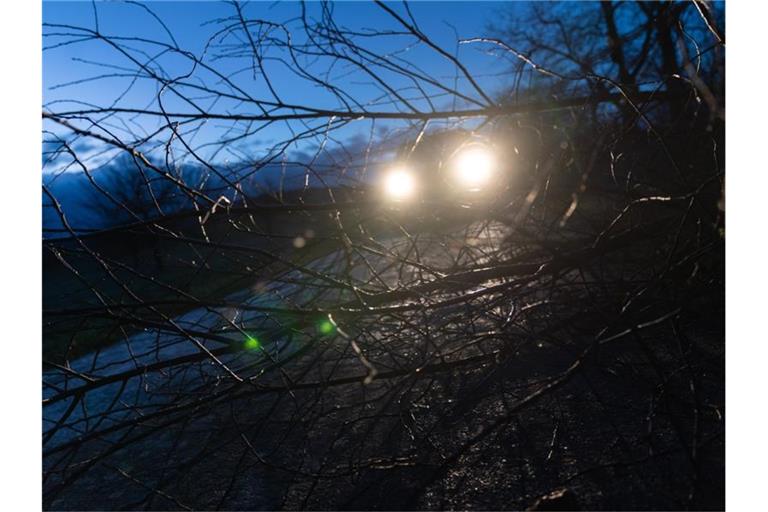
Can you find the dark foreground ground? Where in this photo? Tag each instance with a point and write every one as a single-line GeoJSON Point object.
{"type": "Point", "coordinates": [511, 385]}
{"type": "Point", "coordinates": [465, 440]}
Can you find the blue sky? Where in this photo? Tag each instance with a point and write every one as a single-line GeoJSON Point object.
{"type": "Point", "coordinates": [186, 19]}
{"type": "Point", "coordinates": [74, 69]}
{"type": "Point", "coordinates": [186, 22]}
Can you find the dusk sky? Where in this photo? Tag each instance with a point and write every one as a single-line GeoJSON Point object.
{"type": "Point", "coordinates": [82, 71]}
{"type": "Point", "coordinates": [68, 69]}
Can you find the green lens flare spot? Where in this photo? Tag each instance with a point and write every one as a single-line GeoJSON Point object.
{"type": "Point", "coordinates": [251, 343]}
{"type": "Point", "coordinates": [326, 327]}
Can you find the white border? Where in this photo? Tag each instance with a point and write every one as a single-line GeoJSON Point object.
{"type": "Point", "coordinates": [20, 235]}
{"type": "Point", "coordinates": [747, 254]}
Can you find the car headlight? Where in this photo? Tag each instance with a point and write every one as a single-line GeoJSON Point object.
{"type": "Point", "coordinates": [399, 184]}
{"type": "Point", "coordinates": [473, 167]}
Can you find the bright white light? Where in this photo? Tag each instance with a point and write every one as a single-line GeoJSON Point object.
{"type": "Point", "coordinates": [399, 184]}
{"type": "Point", "coordinates": [474, 166]}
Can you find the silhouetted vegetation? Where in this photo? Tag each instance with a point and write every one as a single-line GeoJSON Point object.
{"type": "Point", "coordinates": [272, 331]}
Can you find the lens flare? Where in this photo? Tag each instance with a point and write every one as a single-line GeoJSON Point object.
{"type": "Point", "coordinates": [399, 184]}
{"type": "Point", "coordinates": [251, 343]}
{"type": "Point", "coordinates": [325, 327]}
{"type": "Point", "coordinates": [473, 167]}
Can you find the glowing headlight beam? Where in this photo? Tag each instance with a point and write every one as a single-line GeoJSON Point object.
{"type": "Point", "coordinates": [473, 167]}
{"type": "Point", "coordinates": [399, 184]}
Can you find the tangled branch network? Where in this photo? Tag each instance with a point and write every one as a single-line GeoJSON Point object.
{"type": "Point", "coordinates": [314, 266]}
